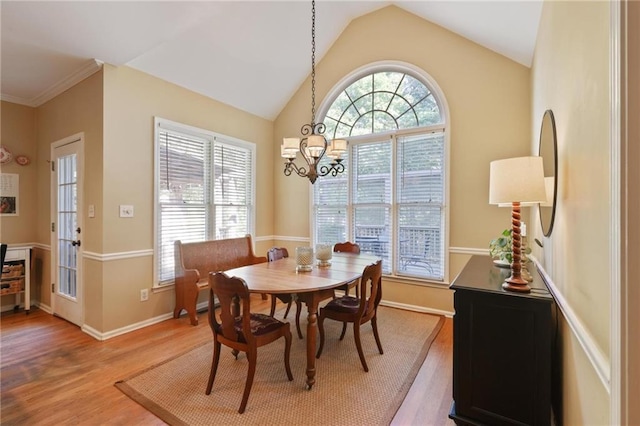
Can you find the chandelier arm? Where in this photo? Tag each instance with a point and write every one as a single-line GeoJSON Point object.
{"type": "Point", "coordinates": [290, 167]}
{"type": "Point", "coordinates": [333, 168]}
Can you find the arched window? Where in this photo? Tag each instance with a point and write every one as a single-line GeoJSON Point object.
{"type": "Point", "coordinates": [391, 198]}
{"type": "Point", "coordinates": [380, 102]}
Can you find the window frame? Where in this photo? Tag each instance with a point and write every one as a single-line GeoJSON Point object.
{"type": "Point", "coordinates": [212, 138]}
{"type": "Point", "coordinates": [444, 126]}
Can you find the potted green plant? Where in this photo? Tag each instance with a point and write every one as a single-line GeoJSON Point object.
{"type": "Point", "coordinates": [500, 248]}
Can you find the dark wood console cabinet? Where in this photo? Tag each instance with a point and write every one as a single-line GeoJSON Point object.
{"type": "Point", "coordinates": [502, 348]}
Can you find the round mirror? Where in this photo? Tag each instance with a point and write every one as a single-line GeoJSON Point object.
{"type": "Point", "coordinates": [548, 151]}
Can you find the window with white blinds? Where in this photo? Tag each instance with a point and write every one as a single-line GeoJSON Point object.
{"type": "Point", "coordinates": [391, 198]}
{"type": "Point", "coordinates": [204, 190]}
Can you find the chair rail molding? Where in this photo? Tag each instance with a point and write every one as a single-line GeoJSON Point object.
{"type": "Point", "coordinates": [106, 257]}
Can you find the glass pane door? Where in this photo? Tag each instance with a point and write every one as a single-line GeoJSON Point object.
{"type": "Point", "coordinates": [67, 225]}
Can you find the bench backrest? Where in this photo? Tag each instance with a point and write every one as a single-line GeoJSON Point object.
{"type": "Point", "coordinates": [214, 255]}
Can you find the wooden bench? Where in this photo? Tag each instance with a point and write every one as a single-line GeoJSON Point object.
{"type": "Point", "coordinates": [194, 261]}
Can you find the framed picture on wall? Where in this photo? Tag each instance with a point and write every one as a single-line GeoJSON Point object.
{"type": "Point", "coordinates": [9, 192]}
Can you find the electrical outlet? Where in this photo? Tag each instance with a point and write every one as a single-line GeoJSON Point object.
{"type": "Point", "coordinates": [144, 294]}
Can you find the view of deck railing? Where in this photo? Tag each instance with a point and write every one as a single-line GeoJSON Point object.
{"type": "Point", "coordinates": [420, 249]}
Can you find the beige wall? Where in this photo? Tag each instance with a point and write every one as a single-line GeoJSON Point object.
{"type": "Point", "coordinates": [570, 76]}
{"type": "Point", "coordinates": [17, 124]}
{"type": "Point", "coordinates": [131, 101]}
{"type": "Point", "coordinates": [115, 109]}
{"type": "Point", "coordinates": [79, 109]}
{"type": "Point", "coordinates": [489, 104]}
{"type": "Point", "coordinates": [18, 134]}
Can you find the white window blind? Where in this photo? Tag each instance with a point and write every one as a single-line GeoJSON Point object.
{"type": "Point", "coordinates": [232, 194]}
{"type": "Point", "coordinates": [330, 206]}
{"type": "Point", "coordinates": [204, 190]}
{"type": "Point", "coordinates": [372, 179]}
{"type": "Point", "coordinates": [420, 204]}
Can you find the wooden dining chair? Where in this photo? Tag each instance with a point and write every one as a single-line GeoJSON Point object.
{"type": "Point", "coordinates": [358, 311]}
{"type": "Point", "coordinates": [347, 247]}
{"type": "Point", "coordinates": [273, 254]}
{"type": "Point", "coordinates": [240, 329]}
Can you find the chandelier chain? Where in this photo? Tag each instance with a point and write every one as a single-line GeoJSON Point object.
{"type": "Point", "coordinates": [313, 63]}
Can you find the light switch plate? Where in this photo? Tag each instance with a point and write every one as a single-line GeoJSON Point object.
{"type": "Point", "coordinates": [92, 210]}
{"type": "Point", "coordinates": [126, 210]}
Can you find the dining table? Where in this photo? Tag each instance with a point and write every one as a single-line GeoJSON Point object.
{"type": "Point", "coordinates": [311, 287]}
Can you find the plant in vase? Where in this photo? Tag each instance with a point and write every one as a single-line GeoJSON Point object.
{"type": "Point", "coordinates": [501, 249]}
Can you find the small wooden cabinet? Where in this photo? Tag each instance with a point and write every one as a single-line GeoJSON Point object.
{"type": "Point", "coordinates": [502, 348]}
{"type": "Point", "coordinates": [16, 275]}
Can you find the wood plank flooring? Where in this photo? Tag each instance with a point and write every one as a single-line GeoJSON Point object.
{"type": "Point", "coordinates": [54, 374]}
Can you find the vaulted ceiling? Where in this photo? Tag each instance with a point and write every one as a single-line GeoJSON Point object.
{"type": "Point", "coordinates": [252, 55]}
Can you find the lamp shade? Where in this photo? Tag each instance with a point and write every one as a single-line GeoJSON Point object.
{"type": "Point", "coordinates": [339, 145]}
{"type": "Point", "coordinates": [291, 144]}
{"type": "Point", "coordinates": [519, 179]}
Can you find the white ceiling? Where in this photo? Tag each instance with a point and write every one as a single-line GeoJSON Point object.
{"type": "Point", "coordinates": [251, 55]}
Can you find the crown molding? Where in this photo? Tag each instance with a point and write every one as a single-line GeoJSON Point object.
{"type": "Point", "coordinates": [89, 68]}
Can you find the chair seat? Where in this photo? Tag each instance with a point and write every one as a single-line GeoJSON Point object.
{"type": "Point", "coordinates": [346, 304]}
{"type": "Point", "coordinates": [260, 324]}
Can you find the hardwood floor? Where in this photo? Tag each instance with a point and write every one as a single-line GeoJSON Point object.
{"type": "Point", "coordinates": [52, 373]}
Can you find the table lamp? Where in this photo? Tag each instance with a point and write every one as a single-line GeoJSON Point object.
{"type": "Point", "coordinates": [513, 181]}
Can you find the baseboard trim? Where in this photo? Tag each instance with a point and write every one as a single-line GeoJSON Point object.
{"type": "Point", "coordinates": [415, 308]}
{"type": "Point", "coordinates": [98, 335]}
{"type": "Point", "coordinates": [45, 308]}
{"type": "Point", "coordinates": [596, 357]}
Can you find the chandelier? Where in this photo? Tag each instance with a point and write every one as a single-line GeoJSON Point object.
{"type": "Point", "coordinates": [313, 145]}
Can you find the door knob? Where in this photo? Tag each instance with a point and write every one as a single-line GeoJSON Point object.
{"type": "Point", "coordinates": [75, 243]}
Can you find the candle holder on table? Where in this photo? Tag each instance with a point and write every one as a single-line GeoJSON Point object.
{"type": "Point", "coordinates": [304, 259]}
{"type": "Point", "coordinates": [324, 254]}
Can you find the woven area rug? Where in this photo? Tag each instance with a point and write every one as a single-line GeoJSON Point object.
{"type": "Point", "coordinates": [343, 394]}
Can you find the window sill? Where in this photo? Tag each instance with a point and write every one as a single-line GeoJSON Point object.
{"type": "Point", "coordinates": [422, 282]}
{"type": "Point", "coordinates": [162, 288]}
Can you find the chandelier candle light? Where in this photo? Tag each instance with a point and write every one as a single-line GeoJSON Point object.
{"type": "Point", "coordinates": [515, 181]}
{"type": "Point", "coordinates": [313, 146]}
